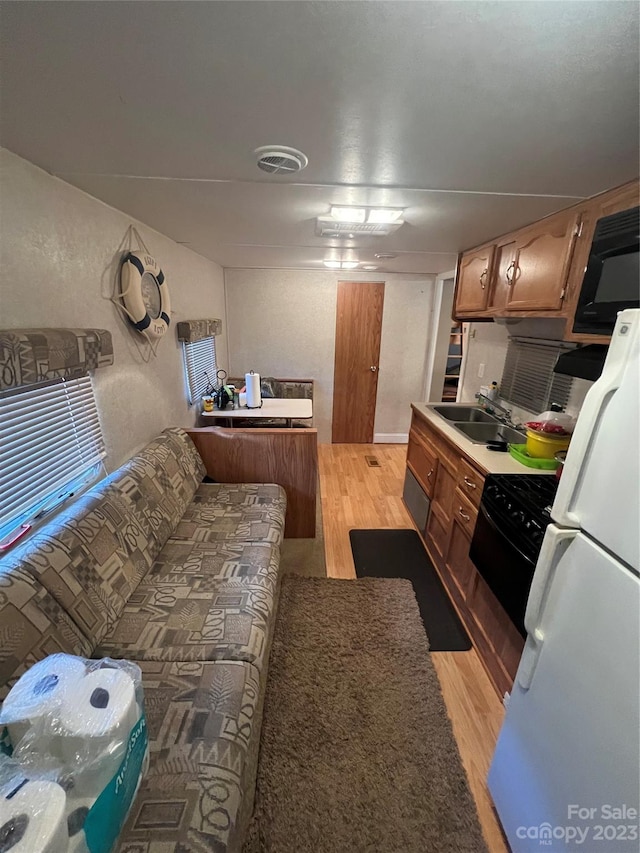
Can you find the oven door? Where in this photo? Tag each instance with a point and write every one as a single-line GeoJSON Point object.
{"type": "Point", "coordinates": [507, 571]}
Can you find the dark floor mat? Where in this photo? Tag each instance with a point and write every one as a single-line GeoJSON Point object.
{"type": "Point", "coordinates": [401, 554]}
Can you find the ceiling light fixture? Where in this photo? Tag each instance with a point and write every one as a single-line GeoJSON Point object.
{"type": "Point", "coordinates": [384, 215]}
{"type": "Point", "coordinates": [384, 256]}
{"type": "Point", "coordinates": [348, 214]}
{"type": "Point", "coordinates": [349, 265]}
{"type": "Point", "coordinates": [359, 221]}
{"type": "Point", "coordinates": [332, 265]}
{"type": "Point", "coordinates": [369, 267]}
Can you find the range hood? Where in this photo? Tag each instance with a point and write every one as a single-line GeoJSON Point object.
{"type": "Point", "coordinates": [583, 362]}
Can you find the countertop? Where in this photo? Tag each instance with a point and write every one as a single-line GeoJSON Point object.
{"type": "Point", "coordinates": [489, 461]}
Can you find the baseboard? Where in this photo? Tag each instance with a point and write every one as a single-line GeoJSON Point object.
{"type": "Point", "coordinates": [391, 438]}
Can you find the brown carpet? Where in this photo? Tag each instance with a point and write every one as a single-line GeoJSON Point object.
{"type": "Point", "coordinates": [357, 752]}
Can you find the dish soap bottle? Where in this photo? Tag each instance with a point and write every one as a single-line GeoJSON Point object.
{"type": "Point", "coordinates": [493, 391]}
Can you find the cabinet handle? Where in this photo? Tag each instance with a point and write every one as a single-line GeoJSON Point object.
{"type": "Point", "coordinates": [510, 277]}
{"type": "Point", "coordinates": [430, 474]}
{"type": "Point", "coordinates": [483, 283]}
{"type": "Point", "coordinates": [470, 483]}
{"type": "Point", "coordinates": [463, 514]}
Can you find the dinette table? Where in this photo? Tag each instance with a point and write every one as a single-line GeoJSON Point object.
{"type": "Point", "coordinates": [272, 407]}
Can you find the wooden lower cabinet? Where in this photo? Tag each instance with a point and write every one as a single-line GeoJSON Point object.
{"type": "Point", "coordinates": [455, 495]}
{"type": "Point", "coordinates": [458, 563]}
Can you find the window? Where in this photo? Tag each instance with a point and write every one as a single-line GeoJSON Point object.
{"type": "Point", "coordinates": [199, 367]}
{"type": "Point", "coordinates": [528, 379]}
{"type": "Point", "coordinates": [51, 445]}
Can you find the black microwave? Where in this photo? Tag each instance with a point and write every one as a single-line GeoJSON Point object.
{"type": "Point", "coordinates": [612, 276]}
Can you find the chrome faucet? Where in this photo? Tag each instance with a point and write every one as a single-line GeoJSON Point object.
{"type": "Point", "coordinates": [501, 413]}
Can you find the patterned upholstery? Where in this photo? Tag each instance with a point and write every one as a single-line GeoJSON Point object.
{"type": "Point", "coordinates": [243, 512]}
{"type": "Point", "coordinates": [197, 619]}
{"type": "Point", "coordinates": [30, 356]}
{"type": "Point", "coordinates": [204, 720]}
{"type": "Point", "coordinates": [181, 577]}
{"type": "Point", "coordinates": [181, 559]}
{"type": "Point", "coordinates": [92, 556]}
{"type": "Point", "coordinates": [32, 626]}
{"type": "Point", "coordinates": [195, 330]}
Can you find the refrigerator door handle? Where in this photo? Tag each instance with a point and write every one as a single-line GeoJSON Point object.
{"type": "Point", "coordinates": [554, 546]}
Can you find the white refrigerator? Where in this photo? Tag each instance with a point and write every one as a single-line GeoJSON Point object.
{"type": "Point", "coordinates": [565, 775]}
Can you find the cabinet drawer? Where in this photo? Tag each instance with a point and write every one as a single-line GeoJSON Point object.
{"type": "Point", "coordinates": [464, 512]}
{"type": "Point", "coordinates": [422, 462]}
{"type": "Point", "coordinates": [470, 482]}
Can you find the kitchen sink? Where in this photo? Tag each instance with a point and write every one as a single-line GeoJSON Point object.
{"type": "Point", "coordinates": [480, 433]}
{"type": "Point", "coordinates": [466, 414]}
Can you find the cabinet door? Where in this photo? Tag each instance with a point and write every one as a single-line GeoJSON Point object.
{"type": "Point", "coordinates": [472, 292]}
{"type": "Point", "coordinates": [458, 561]}
{"type": "Point", "coordinates": [502, 269]}
{"type": "Point", "coordinates": [422, 462]}
{"type": "Point", "coordinates": [537, 277]}
{"type": "Point", "coordinates": [446, 482]}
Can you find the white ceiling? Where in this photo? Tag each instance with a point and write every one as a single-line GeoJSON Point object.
{"type": "Point", "coordinates": [477, 117]}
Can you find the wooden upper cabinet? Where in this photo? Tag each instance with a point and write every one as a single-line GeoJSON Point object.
{"type": "Point", "coordinates": [474, 277]}
{"type": "Point", "coordinates": [503, 261]}
{"type": "Point", "coordinates": [536, 278]}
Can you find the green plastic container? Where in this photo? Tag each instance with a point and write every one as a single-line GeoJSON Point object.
{"type": "Point", "coordinates": [518, 451]}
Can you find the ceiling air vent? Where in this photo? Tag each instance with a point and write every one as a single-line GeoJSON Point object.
{"type": "Point", "coordinates": [280, 159]}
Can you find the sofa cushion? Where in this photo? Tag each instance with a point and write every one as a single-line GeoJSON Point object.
{"type": "Point", "coordinates": [90, 558]}
{"type": "Point", "coordinates": [159, 482]}
{"type": "Point", "coordinates": [243, 512]}
{"type": "Point", "coordinates": [93, 554]}
{"type": "Point", "coordinates": [182, 560]}
{"type": "Point", "coordinates": [196, 618]}
{"type": "Point", "coordinates": [203, 723]}
{"type": "Point", "coordinates": [32, 626]}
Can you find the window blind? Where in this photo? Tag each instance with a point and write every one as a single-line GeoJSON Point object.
{"type": "Point", "coordinates": [528, 379]}
{"type": "Point", "coordinates": [50, 443]}
{"type": "Point", "coordinates": [199, 363]}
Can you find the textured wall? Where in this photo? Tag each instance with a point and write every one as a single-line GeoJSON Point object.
{"type": "Point", "coordinates": [59, 253]}
{"type": "Point", "coordinates": [485, 343]}
{"type": "Point", "coordinates": [282, 323]}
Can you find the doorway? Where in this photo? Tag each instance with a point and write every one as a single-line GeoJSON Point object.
{"type": "Point", "coordinates": [357, 353]}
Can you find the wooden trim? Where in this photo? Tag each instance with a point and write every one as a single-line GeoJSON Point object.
{"type": "Point", "coordinates": [288, 457]}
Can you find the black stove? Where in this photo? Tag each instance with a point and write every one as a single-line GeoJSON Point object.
{"type": "Point", "coordinates": [521, 503]}
{"type": "Point", "coordinates": [514, 514]}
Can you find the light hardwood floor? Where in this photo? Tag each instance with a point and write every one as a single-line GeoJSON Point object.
{"type": "Point", "coordinates": [354, 494]}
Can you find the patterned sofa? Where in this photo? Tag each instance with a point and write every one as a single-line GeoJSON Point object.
{"type": "Point", "coordinates": [183, 578]}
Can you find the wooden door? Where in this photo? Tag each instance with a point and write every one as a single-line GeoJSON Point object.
{"type": "Point", "coordinates": [355, 375]}
{"type": "Point", "coordinates": [472, 290]}
{"type": "Point", "coordinates": [537, 278]}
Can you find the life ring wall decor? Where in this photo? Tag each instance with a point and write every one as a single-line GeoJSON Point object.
{"type": "Point", "coordinates": [145, 294]}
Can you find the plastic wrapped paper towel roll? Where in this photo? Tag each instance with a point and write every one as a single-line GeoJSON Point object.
{"type": "Point", "coordinates": [254, 397]}
{"type": "Point", "coordinates": [95, 720]}
{"type": "Point", "coordinates": [33, 819]}
{"type": "Point", "coordinates": [76, 815]}
{"type": "Point", "coordinates": [38, 692]}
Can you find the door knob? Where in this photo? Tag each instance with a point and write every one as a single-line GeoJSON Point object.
{"type": "Point", "coordinates": [373, 368]}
